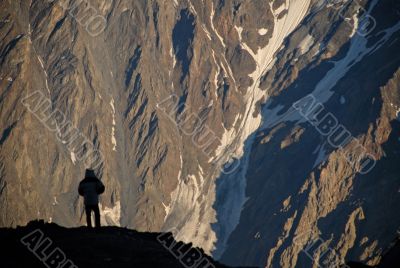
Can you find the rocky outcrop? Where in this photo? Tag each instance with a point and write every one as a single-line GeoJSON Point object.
{"type": "Point", "coordinates": [49, 245]}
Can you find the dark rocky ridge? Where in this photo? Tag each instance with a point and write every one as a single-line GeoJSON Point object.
{"type": "Point", "coordinates": [106, 247]}
{"type": "Point", "coordinates": [115, 247]}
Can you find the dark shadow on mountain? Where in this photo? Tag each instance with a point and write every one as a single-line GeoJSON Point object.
{"type": "Point", "coordinates": [133, 62]}
{"type": "Point", "coordinates": [6, 133]}
{"type": "Point", "coordinates": [361, 88]}
{"type": "Point", "coordinates": [390, 259]}
{"type": "Point", "coordinates": [182, 37]}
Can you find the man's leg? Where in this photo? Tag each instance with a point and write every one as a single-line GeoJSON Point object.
{"type": "Point", "coordinates": [88, 210]}
{"type": "Point", "coordinates": [97, 215]}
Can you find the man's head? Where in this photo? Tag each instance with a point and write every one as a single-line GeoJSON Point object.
{"type": "Point", "coordinates": [89, 173]}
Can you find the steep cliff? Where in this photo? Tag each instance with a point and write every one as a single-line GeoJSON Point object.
{"type": "Point", "coordinates": [266, 132]}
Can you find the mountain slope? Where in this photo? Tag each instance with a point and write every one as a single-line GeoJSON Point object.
{"type": "Point", "coordinates": [197, 115]}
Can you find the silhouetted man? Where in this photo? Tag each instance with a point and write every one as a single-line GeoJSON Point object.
{"type": "Point", "coordinates": [90, 188]}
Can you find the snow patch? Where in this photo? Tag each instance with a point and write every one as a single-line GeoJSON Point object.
{"type": "Point", "coordinates": [227, 137]}
{"type": "Point", "coordinates": [217, 73]}
{"type": "Point", "coordinates": [355, 24]}
{"type": "Point", "coordinates": [191, 7]}
{"type": "Point", "coordinates": [229, 71]}
{"type": "Point", "coordinates": [212, 25]}
{"type": "Point", "coordinates": [113, 139]}
{"type": "Point", "coordinates": [167, 209]}
{"type": "Point", "coordinates": [306, 44]}
{"type": "Point", "coordinates": [262, 31]}
{"type": "Point", "coordinates": [239, 31]}
{"type": "Point", "coordinates": [201, 170]}
{"type": "Point", "coordinates": [73, 157]}
{"type": "Point", "coordinates": [190, 196]}
{"type": "Point", "coordinates": [44, 71]}
{"type": "Point", "coordinates": [206, 31]}
{"type": "Point", "coordinates": [171, 53]}
{"type": "Point", "coordinates": [111, 216]}
{"type": "Point", "coordinates": [40, 61]}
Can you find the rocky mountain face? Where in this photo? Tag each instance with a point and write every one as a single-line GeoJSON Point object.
{"type": "Point", "coordinates": [265, 132]}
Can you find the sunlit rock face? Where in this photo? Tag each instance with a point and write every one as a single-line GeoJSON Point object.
{"type": "Point", "coordinates": [264, 132]}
